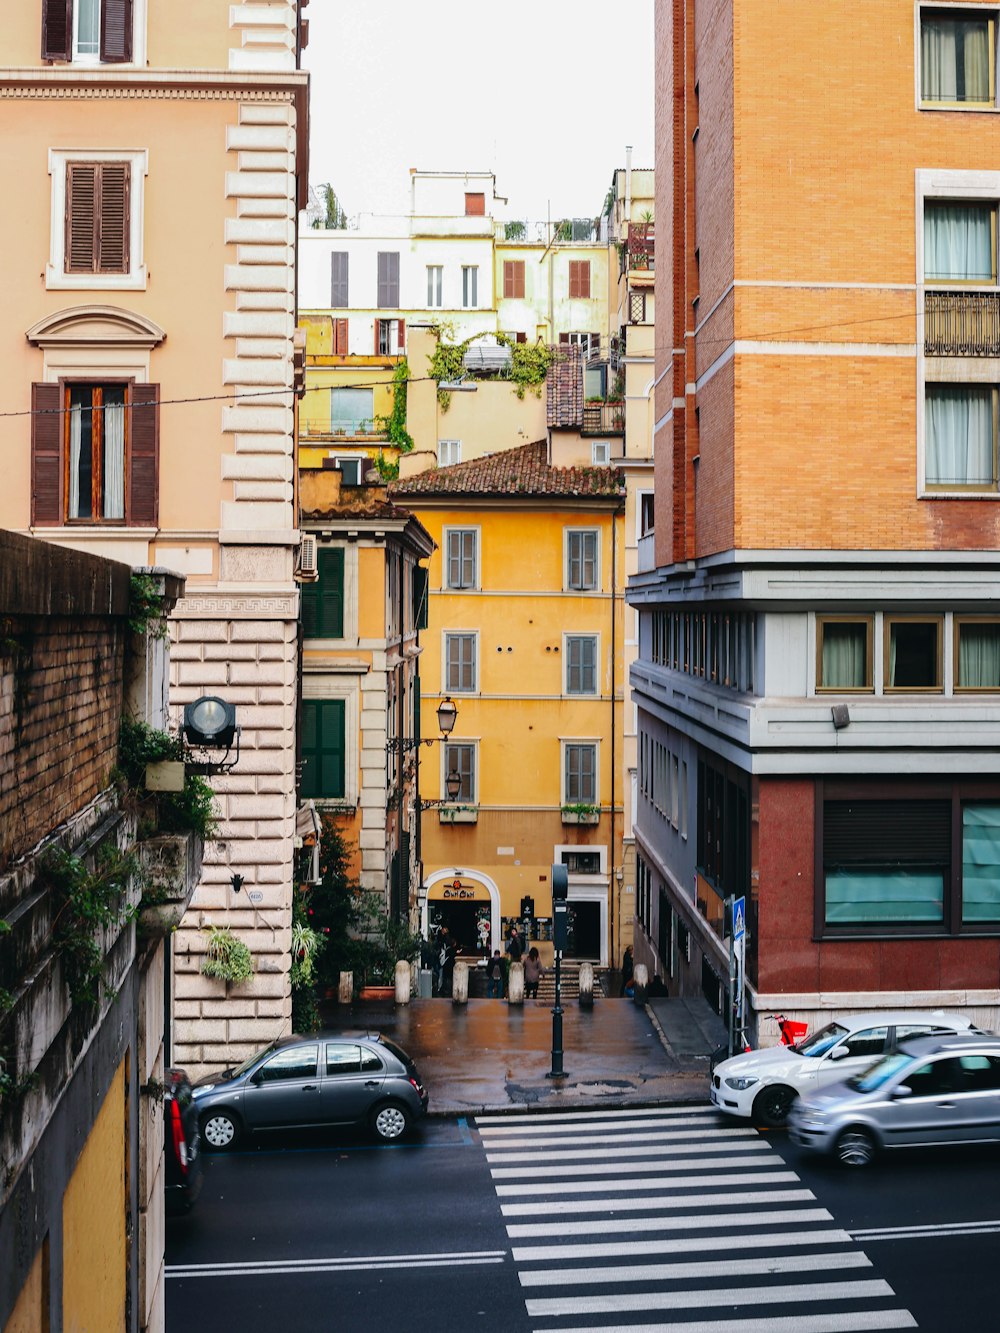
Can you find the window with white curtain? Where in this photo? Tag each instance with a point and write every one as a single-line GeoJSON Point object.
{"type": "Point", "coordinates": [960, 430]}
{"type": "Point", "coordinates": [958, 56]}
{"type": "Point", "coordinates": [96, 452]}
{"type": "Point", "coordinates": [843, 653]}
{"type": "Point", "coordinates": [470, 286]}
{"type": "Point", "coordinates": [960, 241]}
{"type": "Point", "coordinates": [435, 285]}
{"type": "Point", "coordinates": [977, 654]}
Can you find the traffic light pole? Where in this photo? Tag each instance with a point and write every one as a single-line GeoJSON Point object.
{"type": "Point", "coordinates": [560, 892]}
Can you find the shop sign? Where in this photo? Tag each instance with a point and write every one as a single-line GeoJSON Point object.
{"type": "Point", "coordinates": [456, 891]}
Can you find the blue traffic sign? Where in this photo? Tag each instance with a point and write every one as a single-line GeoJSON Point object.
{"type": "Point", "coordinates": [739, 918]}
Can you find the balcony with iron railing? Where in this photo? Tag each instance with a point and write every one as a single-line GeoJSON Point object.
{"type": "Point", "coordinates": [639, 252]}
{"type": "Point", "coordinates": [962, 323]}
{"type": "Point", "coordinates": [603, 417]}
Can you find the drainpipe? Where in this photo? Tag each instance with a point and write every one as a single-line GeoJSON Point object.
{"type": "Point", "coordinates": [613, 881]}
{"type": "Point", "coordinates": [628, 184]}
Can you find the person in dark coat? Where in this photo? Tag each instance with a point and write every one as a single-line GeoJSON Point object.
{"type": "Point", "coordinates": [494, 977]}
{"type": "Point", "coordinates": [628, 968]}
{"type": "Point", "coordinates": [515, 946]}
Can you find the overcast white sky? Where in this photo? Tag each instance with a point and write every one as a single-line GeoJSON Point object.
{"type": "Point", "coordinates": [545, 94]}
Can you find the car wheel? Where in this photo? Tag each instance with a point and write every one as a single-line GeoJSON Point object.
{"type": "Point", "coordinates": [390, 1121]}
{"type": "Point", "coordinates": [219, 1130]}
{"type": "Point", "coordinates": [772, 1105]}
{"type": "Point", "coordinates": [856, 1147]}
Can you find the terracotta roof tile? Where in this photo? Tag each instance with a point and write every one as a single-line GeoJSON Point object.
{"type": "Point", "coordinates": [564, 387]}
{"type": "Point", "coordinates": [524, 471]}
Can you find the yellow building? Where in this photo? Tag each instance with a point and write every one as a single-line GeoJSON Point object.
{"type": "Point", "coordinates": [524, 635]}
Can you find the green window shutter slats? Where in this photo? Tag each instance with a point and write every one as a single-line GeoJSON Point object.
{"type": "Point", "coordinates": [323, 748]}
{"type": "Point", "coordinates": [323, 601]}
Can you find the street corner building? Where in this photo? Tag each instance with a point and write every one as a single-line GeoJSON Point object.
{"type": "Point", "coordinates": [148, 327]}
{"type": "Point", "coordinates": [819, 659]}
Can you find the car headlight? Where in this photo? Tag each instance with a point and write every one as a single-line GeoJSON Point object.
{"type": "Point", "coordinates": [200, 1092]}
{"type": "Point", "coordinates": [741, 1084]}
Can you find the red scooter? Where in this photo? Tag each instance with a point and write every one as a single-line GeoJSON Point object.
{"type": "Point", "coordinates": [791, 1030]}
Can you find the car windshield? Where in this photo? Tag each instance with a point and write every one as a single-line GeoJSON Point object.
{"type": "Point", "coordinates": [820, 1042]}
{"type": "Point", "coordinates": [878, 1074]}
{"type": "Point", "coordinates": [249, 1063]}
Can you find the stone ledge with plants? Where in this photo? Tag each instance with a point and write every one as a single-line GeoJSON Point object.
{"type": "Point", "coordinates": [581, 813]}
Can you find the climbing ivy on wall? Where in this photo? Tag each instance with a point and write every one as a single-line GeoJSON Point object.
{"type": "Point", "coordinates": [529, 365]}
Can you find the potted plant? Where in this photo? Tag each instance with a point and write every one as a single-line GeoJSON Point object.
{"type": "Point", "coordinates": [228, 959]}
{"type": "Point", "coordinates": [581, 813]}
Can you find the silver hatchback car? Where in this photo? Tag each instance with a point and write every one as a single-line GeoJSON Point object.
{"type": "Point", "coordinates": [931, 1091]}
{"type": "Point", "coordinates": [323, 1079]}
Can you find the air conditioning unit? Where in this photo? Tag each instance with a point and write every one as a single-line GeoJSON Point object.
{"type": "Point", "coordinates": [308, 566]}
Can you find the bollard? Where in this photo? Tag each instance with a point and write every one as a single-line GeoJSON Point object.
{"type": "Point", "coordinates": [460, 983]}
{"type": "Point", "coordinates": [515, 984]}
{"type": "Point", "coordinates": [345, 994]}
{"type": "Point", "coordinates": [403, 981]}
{"type": "Point", "coordinates": [586, 985]}
{"type": "Point", "coordinates": [640, 979]}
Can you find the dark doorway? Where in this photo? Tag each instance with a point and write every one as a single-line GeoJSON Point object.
{"type": "Point", "coordinates": [462, 920]}
{"type": "Point", "coordinates": [584, 931]}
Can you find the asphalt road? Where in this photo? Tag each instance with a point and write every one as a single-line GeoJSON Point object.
{"type": "Point", "coordinates": [674, 1218]}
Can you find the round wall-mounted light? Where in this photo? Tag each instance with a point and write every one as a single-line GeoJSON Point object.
{"type": "Point", "coordinates": [210, 721]}
{"type": "Point", "coordinates": [447, 712]}
{"type": "Point", "coordinates": [453, 785]}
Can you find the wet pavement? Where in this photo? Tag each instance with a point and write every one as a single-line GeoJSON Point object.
{"type": "Point", "coordinates": [488, 1056]}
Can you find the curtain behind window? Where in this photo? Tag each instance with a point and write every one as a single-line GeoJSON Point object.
{"type": "Point", "coordinates": [979, 656]}
{"type": "Point", "coordinates": [954, 60]}
{"type": "Point", "coordinates": [114, 459]}
{"type": "Point", "coordinates": [980, 862]}
{"type": "Point", "coordinates": [958, 242]}
{"type": "Point", "coordinates": [75, 435]}
{"type": "Point", "coordinates": [844, 656]}
{"type": "Point", "coordinates": [959, 431]}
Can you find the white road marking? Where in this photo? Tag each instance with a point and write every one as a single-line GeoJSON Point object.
{"type": "Point", "coordinates": [533, 1117]}
{"type": "Point", "coordinates": [927, 1232]}
{"type": "Point", "coordinates": [594, 1140]}
{"type": "Point", "coordinates": [650, 1183]}
{"type": "Point", "coordinates": [583, 1154]}
{"type": "Point", "coordinates": [735, 1267]}
{"type": "Point", "coordinates": [630, 1205]}
{"type": "Point", "coordinates": [528, 1172]}
{"type": "Point", "coordinates": [628, 1249]}
{"type": "Point", "coordinates": [271, 1267]}
{"type": "Point", "coordinates": [859, 1321]}
{"type": "Point", "coordinates": [811, 1292]}
{"type": "Point", "coordinates": [716, 1222]}
{"type": "Point", "coordinates": [543, 1130]}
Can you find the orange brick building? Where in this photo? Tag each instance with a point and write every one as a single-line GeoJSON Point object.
{"type": "Point", "coordinates": [818, 685]}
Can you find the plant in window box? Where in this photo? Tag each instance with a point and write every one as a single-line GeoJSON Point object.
{"type": "Point", "coordinates": [581, 813]}
{"type": "Point", "coordinates": [459, 814]}
{"type": "Point", "coordinates": [228, 959]}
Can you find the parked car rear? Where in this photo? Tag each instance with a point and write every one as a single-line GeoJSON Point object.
{"type": "Point", "coordinates": [182, 1142]}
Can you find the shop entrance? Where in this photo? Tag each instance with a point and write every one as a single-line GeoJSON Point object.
{"type": "Point", "coordinates": [465, 910]}
{"type": "Point", "coordinates": [584, 935]}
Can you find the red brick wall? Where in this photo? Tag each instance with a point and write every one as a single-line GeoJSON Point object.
{"type": "Point", "coordinates": [790, 960]}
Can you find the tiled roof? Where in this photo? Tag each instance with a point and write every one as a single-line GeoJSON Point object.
{"type": "Point", "coordinates": [381, 509]}
{"type": "Point", "coordinates": [524, 471]}
{"type": "Point", "coordinates": [564, 387]}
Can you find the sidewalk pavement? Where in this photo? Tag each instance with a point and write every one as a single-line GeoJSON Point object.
{"type": "Point", "coordinates": [489, 1056]}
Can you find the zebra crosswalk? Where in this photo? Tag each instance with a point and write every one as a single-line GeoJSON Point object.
{"type": "Point", "coordinates": [648, 1220]}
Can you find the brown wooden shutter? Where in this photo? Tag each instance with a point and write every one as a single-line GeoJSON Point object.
{"type": "Point", "coordinates": [82, 209]}
{"type": "Point", "coordinates": [584, 280]}
{"type": "Point", "coordinates": [564, 337]}
{"type": "Point", "coordinates": [113, 234]}
{"type": "Point", "coordinates": [144, 456]}
{"type": "Point", "coordinates": [340, 337]}
{"type": "Point", "coordinates": [46, 454]}
{"type": "Point", "coordinates": [377, 324]}
{"type": "Point", "coordinates": [116, 31]}
{"type": "Point", "coordinates": [475, 205]}
{"type": "Point", "coordinates": [401, 335]}
{"type": "Point", "coordinates": [508, 279]}
{"type": "Point", "coordinates": [57, 29]}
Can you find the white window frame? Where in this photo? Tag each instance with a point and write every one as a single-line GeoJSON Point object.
{"type": "Point", "coordinates": [446, 686]}
{"type": "Point", "coordinates": [582, 694]}
{"type": "Point", "coordinates": [473, 745]}
{"type": "Point", "coordinates": [357, 459]}
{"type": "Point", "coordinates": [594, 742]}
{"type": "Point", "coordinates": [55, 278]}
{"type": "Point", "coordinates": [470, 286]}
{"type": "Point", "coordinates": [138, 38]}
{"type": "Point", "coordinates": [980, 108]}
{"type": "Point", "coordinates": [435, 286]}
{"type": "Point", "coordinates": [600, 453]}
{"type": "Point", "coordinates": [445, 449]}
{"type": "Point", "coordinates": [446, 536]}
{"type": "Point", "coordinates": [976, 187]}
{"type": "Point", "coordinates": [567, 587]}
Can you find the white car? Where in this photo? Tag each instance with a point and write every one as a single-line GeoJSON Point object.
{"type": "Point", "coordinates": [761, 1085]}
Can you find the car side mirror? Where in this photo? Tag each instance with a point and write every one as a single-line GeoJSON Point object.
{"type": "Point", "coordinates": [839, 1052]}
{"type": "Point", "coordinates": [901, 1092]}
{"type": "Point", "coordinates": [257, 1077]}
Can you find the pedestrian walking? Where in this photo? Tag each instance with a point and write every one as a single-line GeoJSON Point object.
{"type": "Point", "coordinates": [533, 973]}
{"type": "Point", "coordinates": [515, 945]}
{"type": "Point", "coordinates": [446, 957]}
{"type": "Point", "coordinates": [628, 968]}
{"type": "Point", "coordinates": [494, 977]}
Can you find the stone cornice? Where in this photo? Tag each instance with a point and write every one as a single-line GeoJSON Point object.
{"type": "Point", "coordinates": [74, 81]}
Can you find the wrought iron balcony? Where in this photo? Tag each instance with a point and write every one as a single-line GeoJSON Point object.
{"type": "Point", "coordinates": [962, 324]}
{"type": "Point", "coordinates": [603, 418]}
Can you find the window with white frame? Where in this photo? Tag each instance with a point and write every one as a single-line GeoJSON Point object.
{"type": "Point", "coordinates": [960, 436]}
{"type": "Point", "coordinates": [977, 653]}
{"type": "Point", "coordinates": [460, 758]}
{"type": "Point", "coordinates": [581, 663]}
{"type": "Point", "coordinates": [579, 773]}
{"type": "Point", "coordinates": [96, 231]}
{"type": "Point", "coordinates": [600, 453]}
{"type": "Point", "coordinates": [350, 468]}
{"type": "Point", "coordinates": [460, 663]}
{"type": "Point", "coordinates": [581, 559]}
{"type": "Point", "coordinates": [461, 557]}
{"type": "Point", "coordinates": [470, 286]}
{"type": "Point", "coordinates": [449, 452]}
{"type": "Point", "coordinates": [958, 55]}
{"type": "Point", "coordinates": [91, 32]}
{"type": "Point", "coordinates": [435, 286]}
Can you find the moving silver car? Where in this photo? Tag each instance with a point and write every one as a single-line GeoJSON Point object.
{"type": "Point", "coordinates": [323, 1079]}
{"type": "Point", "coordinates": [931, 1091]}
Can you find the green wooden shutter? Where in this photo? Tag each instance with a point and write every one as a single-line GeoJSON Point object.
{"type": "Point", "coordinates": [323, 601]}
{"type": "Point", "coordinates": [323, 751]}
